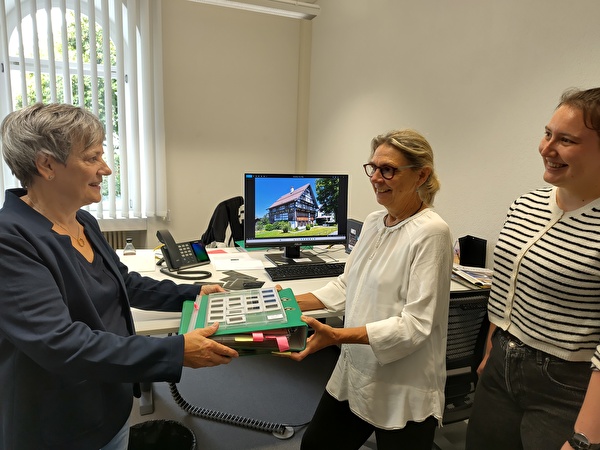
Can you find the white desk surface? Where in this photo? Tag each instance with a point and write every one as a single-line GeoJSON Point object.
{"type": "Point", "coordinates": [159, 322]}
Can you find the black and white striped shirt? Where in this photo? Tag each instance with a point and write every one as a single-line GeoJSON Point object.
{"type": "Point", "coordinates": [546, 287]}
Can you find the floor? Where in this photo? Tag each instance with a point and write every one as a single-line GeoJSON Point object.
{"type": "Point", "coordinates": [263, 388]}
{"type": "Point", "coordinates": [450, 437]}
{"type": "Point", "coordinates": [260, 388]}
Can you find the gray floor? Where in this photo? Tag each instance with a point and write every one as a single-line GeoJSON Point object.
{"type": "Point", "coordinates": [263, 388]}
{"type": "Point", "coordinates": [259, 387]}
{"type": "Point", "coordinates": [451, 437]}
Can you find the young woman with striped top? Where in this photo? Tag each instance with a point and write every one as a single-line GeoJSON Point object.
{"type": "Point", "coordinates": [545, 300]}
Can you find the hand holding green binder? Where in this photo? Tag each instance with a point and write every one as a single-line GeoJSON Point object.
{"type": "Point", "coordinates": [251, 321]}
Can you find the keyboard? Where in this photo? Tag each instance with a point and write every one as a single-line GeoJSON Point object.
{"type": "Point", "coordinates": [299, 271]}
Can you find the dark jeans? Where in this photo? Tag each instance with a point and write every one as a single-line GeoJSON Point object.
{"type": "Point", "coordinates": [334, 426]}
{"type": "Point", "coordinates": [525, 398]}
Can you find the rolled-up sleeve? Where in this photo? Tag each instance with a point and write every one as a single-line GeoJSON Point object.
{"type": "Point", "coordinates": [333, 295]}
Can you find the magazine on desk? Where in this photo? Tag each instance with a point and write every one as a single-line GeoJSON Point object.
{"type": "Point", "coordinates": [476, 276]}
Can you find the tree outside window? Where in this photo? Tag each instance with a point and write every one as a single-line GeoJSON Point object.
{"type": "Point", "coordinates": [75, 79]}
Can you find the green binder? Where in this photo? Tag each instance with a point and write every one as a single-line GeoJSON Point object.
{"type": "Point", "coordinates": [251, 321]}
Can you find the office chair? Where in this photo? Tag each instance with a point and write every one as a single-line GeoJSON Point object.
{"type": "Point", "coordinates": [467, 332]}
{"type": "Point", "coordinates": [226, 214]}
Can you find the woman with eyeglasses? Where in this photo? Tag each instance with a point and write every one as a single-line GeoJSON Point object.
{"type": "Point", "coordinates": [394, 294]}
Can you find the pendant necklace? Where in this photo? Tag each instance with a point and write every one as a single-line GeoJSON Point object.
{"type": "Point", "coordinates": [80, 241]}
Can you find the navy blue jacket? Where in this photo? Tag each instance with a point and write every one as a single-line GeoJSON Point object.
{"type": "Point", "coordinates": [66, 382]}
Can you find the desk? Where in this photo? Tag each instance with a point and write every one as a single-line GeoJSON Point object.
{"type": "Point", "coordinates": [158, 322]}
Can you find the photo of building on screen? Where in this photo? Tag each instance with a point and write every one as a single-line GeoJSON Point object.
{"type": "Point", "coordinates": [309, 209]}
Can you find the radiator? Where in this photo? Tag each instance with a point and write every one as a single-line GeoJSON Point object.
{"type": "Point", "coordinates": [116, 239]}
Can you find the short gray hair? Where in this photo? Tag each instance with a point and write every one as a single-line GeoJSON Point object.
{"type": "Point", "coordinates": [51, 129]}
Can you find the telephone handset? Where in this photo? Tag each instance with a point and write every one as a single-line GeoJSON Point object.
{"type": "Point", "coordinates": [183, 255]}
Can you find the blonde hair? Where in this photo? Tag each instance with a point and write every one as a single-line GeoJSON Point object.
{"type": "Point", "coordinates": [417, 151]}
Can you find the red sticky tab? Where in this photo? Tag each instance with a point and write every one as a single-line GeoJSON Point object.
{"type": "Point", "coordinates": [258, 337]}
{"type": "Point", "coordinates": [282, 343]}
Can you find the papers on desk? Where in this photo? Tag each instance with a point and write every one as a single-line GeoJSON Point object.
{"type": "Point", "coordinates": [143, 260]}
{"type": "Point", "coordinates": [234, 261]}
{"type": "Point", "coordinates": [476, 276]}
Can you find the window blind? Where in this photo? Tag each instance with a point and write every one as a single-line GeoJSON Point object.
{"type": "Point", "coordinates": [104, 55]}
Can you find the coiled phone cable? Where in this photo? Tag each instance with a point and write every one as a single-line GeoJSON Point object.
{"type": "Point", "coordinates": [279, 430]}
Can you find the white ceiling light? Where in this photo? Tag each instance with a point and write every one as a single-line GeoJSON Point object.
{"type": "Point", "coordinates": [285, 8]}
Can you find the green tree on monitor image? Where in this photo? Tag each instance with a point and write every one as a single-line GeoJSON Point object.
{"type": "Point", "coordinates": [328, 190]}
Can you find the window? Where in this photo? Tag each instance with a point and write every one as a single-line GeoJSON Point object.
{"type": "Point", "coordinates": [102, 55]}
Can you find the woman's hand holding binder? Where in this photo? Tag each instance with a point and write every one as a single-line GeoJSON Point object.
{"type": "Point", "coordinates": [200, 351]}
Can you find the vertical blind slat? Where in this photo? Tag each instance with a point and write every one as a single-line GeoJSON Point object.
{"type": "Point", "coordinates": [122, 108]}
{"type": "Point", "coordinates": [50, 51]}
{"type": "Point", "coordinates": [93, 55]}
{"type": "Point", "coordinates": [36, 53]}
{"type": "Point", "coordinates": [133, 151]}
{"type": "Point", "coordinates": [108, 108]}
{"type": "Point", "coordinates": [160, 203]}
{"type": "Point", "coordinates": [147, 108]}
{"type": "Point", "coordinates": [79, 53]}
{"type": "Point", "coordinates": [93, 58]}
{"type": "Point", "coordinates": [66, 71]}
{"type": "Point", "coordinates": [22, 74]}
{"type": "Point", "coordinates": [5, 98]}
{"type": "Point", "coordinates": [5, 89]}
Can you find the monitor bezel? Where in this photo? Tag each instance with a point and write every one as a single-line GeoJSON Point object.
{"type": "Point", "coordinates": [292, 245]}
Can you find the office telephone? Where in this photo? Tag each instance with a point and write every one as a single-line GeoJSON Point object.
{"type": "Point", "coordinates": [181, 256]}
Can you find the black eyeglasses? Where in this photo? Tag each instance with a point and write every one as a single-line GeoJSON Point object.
{"type": "Point", "coordinates": [386, 172]}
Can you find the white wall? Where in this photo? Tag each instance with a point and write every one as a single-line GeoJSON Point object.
{"type": "Point", "coordinates": [479, 78]}
{"type": "Point", "coordinates": [230, 87]}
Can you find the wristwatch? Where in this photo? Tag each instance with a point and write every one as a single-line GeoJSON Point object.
{"type": "Point", "coordinates": [579, 441]}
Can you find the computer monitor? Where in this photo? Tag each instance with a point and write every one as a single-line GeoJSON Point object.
{"type": "Point", "coordinates": [294, 211]}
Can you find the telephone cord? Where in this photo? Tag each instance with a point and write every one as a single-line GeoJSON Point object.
{"type": "Point", "coordinates": [188, 274]}
{"type": "Point", "coordinates": [279, 430]}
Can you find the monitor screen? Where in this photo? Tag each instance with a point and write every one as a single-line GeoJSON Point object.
{"type": "Point", "coordinates": [294, 211]}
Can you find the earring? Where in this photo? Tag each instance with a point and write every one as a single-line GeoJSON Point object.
{"type": "Point", "coordinates": [50, 177]}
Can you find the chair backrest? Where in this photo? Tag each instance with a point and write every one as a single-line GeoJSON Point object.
{"type": "Point", "coordinates": [467, 331]}
{"type": "Point", "coordinates": [226, 215]}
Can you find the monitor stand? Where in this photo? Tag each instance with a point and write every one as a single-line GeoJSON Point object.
{"type": "Point", "coordinates": [293, 255]}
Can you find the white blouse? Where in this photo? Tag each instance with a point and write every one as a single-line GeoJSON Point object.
{"type": "Point", "coordinates": [397, 283]}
